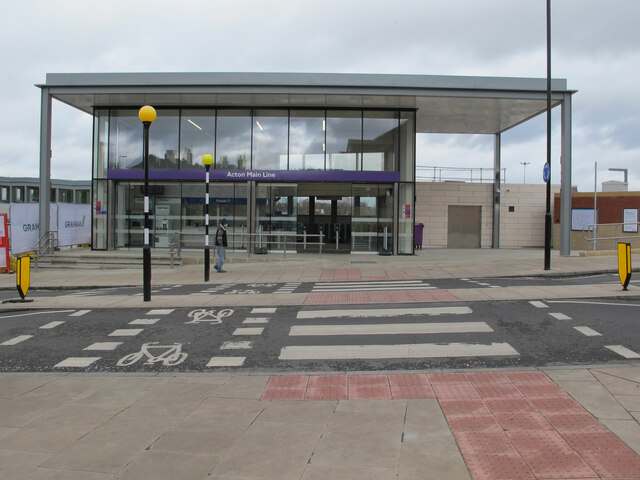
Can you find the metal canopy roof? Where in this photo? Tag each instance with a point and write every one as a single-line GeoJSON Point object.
{"type": "Point", "coordinates": [444, 104]}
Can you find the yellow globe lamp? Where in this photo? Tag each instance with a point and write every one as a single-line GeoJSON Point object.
{"type": "Point", "coordinates": [207, 159]}
{"type": "Point", "coordinates": [147, 114]}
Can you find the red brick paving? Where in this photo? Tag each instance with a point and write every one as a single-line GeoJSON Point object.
{"type": "Point", "coordinates": [354, 298]}
{"type": "Point", "coordinates": [508, 425]}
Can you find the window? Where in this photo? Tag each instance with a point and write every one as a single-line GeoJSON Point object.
{"type": "Point", "coordinates": [82, 196]}
{"type": "Point", "coordinates": [4, 194]}
{"type": "Point", "coordinates": [379, 141]}
{"type": "Point", "coordinates": [17, 194]}
{"type": "Point", "coordinates": [270, 132]}
{"type": "Point", "coordinates": [344, 139]}
{"type": "Point", "coordinates": [306, 140]}
{"type": "Point", "coordinates": [233, 139]}
{"type": "Point", "coordinates": [33, 195]}
{"type": "Point", "coordinates": [197, 136]}
{"type": "Point", "coordinates": [65, 195]}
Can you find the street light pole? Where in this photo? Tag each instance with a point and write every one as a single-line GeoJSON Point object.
{"type": "Point", "coordinates": [524, 171]}
{"type": "Point", "coordinates": [147, 115]}
{"type": "Point", "coordinates": [547, 215]}
{"type": "Point", "coordinates": [207, 161]}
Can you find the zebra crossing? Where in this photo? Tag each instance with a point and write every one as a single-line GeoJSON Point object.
{"type": "Point", "coordinates": [346, 324]}
{"type": "Point", "coordinates": [371, 286]}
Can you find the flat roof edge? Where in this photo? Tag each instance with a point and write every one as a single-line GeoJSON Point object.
{"type": "Point", "coordinates": [354, 80]}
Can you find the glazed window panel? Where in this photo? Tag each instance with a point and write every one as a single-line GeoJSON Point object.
{"type": "Point", "coordinates": [306, 140]}
{"type": "Point", "coordinates": [163, 140]}
{"type": "Point", "coordinates": [379, 141]}
{"type": "Point", "coordinates": [344, 139]}
{"type": "Point", "coordinates": [233, 139]}
{"type": "Point", "coordinates": [125, 140]}
{"type": "Point", "coordinates": [270, 132]}
{"type": "Point", "coordinates": [197, 137]}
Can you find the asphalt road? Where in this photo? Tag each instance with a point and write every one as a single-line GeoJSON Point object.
{"type": "Point", "coordinates": [327, 338]}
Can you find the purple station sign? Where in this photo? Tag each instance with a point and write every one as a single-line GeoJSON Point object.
{"type": "Point", "coordinates": [257, 175]}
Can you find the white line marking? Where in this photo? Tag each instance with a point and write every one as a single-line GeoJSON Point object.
{"type": "Point", "coordinates": [623, 351]}
{"type": "Point", "coordinates": [226, 361]}
{"type": "Point", "coordinates": [264, 310]}
{"type": "Point", "coordinates": [559, 316]}
{"type": "Point", "coordinates": [371, 283]}
{"type": "Point", "coordinates": [383, 312]}
{"type": "Point", "coordinates": [372, 288]}
{"type": "Point", "coordinates": [256, 320]}
{"type": "Point", "coordinates": [76, 362]}
{"type": "Point", "coordinates": [248, 331]}
{"type": "Point", "coordinates": [79, 313]}
{"type": "Point", "coordinates": [126, 332]}
{"type": "Point", "coordinates": [103, 346]}
{"type": "Point", "coordinates": [144, 321]}
{"type": "Point", "coordinates": [161, 311]}
{"type": "Point", "coordinates": [390, 329]}
{"type": "Point", "coordinates": [484, 284]}
{"type": "Point", "coordinates": [424, 350]}
{"type": "Point", "coordinates": [589, 332]}
{"type": "Point", "coordinates": [35, 313]}
{"type": "Point", "coordinates": [236, 345]}
{"type": "Point", "coordinates": [538, 304]}
{"type": "Point", "coordinates": [16, 340]}
{"type": "Point", "coordinates": [597, 303]}
{"type": "Point", "coordinates": [50, 325]}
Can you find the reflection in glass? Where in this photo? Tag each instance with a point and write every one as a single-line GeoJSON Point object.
{"type": "Point", "coordinates": [407, 146]}
{"type": "Point", "coordinates": [270, 140]}
{"type": "Point", "coordinates": [100, 142]}
{"type": "Point", "coordinates": [380, 141]}
{"type": "Point", "coordinates": [344, 139]}
{"type": "Point", "coordinates": [306, 140]}
{"type": "Point", "coordinates": [197, 136]}
{"type": "Point", "coordinates": [406, 218]}
{"type": "Point", "coordinates": [163, 140]}
{"type": "Point", "coordinates": [125, 139]}
{"type": "Point", "coordinates": [233, 139]}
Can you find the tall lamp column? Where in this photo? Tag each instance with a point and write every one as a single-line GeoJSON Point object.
{"type": "Point", "coordinates": [207, 161]}
{"type": "Point", "coordinates": [147, 115]}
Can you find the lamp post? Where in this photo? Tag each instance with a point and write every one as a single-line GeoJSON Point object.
{"type": "Point", "coordinates": [207, 161]}
{"type": "Point", "coordinates": [524, 171]}
{"type": "Point", "coordinates": [547, 215]}
{"type": "Point", "coordinates": [147, 115]}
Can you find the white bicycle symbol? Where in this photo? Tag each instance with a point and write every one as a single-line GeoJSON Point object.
{"type": "Point", "coordinates": [208, 316]}
{"type": "Point", "coordinates": [241, 292]}
{"type": "Point", "coordinates": [170, 356]}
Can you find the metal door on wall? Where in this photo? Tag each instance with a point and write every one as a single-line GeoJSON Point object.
{"type": "Point", "coordinates": [463, 230]}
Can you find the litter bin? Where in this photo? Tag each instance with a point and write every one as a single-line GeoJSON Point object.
{"type": "Point", "coordinates": [417, 235]}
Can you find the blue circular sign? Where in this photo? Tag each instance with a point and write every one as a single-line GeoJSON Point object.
{"type": "Point", "coordinates": [546, 172]}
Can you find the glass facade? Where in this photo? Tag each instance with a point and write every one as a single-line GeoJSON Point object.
{"type": "Point", "coordinates": [352, 215]}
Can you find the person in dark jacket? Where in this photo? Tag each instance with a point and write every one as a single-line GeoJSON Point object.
{"type": "Point", "coordinates": [221, 245]}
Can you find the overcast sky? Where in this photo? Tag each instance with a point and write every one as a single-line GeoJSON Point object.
{"type": "Point", "coordinates": [595, 46]}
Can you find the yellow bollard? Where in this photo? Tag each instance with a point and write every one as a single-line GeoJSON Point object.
{"type": "Point", "coordinates": [23, 266]}
{"type": "Point", "coordinates": [624, 264]}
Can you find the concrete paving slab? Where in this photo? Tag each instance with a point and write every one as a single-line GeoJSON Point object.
{"type": "Point", "coordinates": [324, 472]}
{"type": "Point", "coordinates": [169, 466]}
{"type": "Point", "coordinates": [12, 386]}
{"type": "Point", "coordinates": [298, 412]}
{"type": "Point", "coordinates": [16, 464]}
{"type": "Point", "coordinates": [419, 461]}
{"type": "Point", "coordinates": [596, 399]}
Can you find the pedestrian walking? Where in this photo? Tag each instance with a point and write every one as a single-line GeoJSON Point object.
{"type": "Point", "coordinates": [221, 245]}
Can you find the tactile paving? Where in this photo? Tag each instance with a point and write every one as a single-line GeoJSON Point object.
{"type": "Point", "coordinates": [412, 392]}
{"type": "Point", "coordinates": [557, 405]}
{"type": "Point", "coordinates": [369, 392]}
{"type": "Point", "coordinates": [510, 405]}
{"type": "Point", "coordinates": [529, 376]}
{"type": "Point", "coordinates": [614, 464]}
{"type": "Point", "coordinates": [473, 423]}
{"type": "Point", "coordinates": [501, 391]}
{"type": "Point", "coordinates": [488, 442]}
{"type": "Point", "coordinates": [554, 464]}
{"type": "Point", "coordinates": [288, 381]}
{"type": "Point", "coordinates": [595, 441]}
{"type": "Point", "coordinates": [408, 379]}
{"type": "Point", "coordinates": [456, 391]}
{"type": "Point", "coordinates": [327, 392]}
{"type": "Point", "coordinates": [574, 422]}
{"type": "Point", "coordinates": [522, 421]}
{"type": "Point", "coordinates": [438, 378]}
{"type": "Point", "coordinates": [539, 441]}
{"type": "Point", "coordinates": [467, 407]}
{"type": "Point", "coordinates": [499, 467]}
{"type": "Point", "coordinates": [368, 380]}
{"type": "Point", "coordinates": [535, 390]}
{"type": "Point", "coordinates": [328, 381]}
{"type": "Point", "coordinates": [482, 378]}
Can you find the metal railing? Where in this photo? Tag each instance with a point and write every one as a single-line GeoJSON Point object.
{"type": "Point", "coordinates": [47, 244]}
{"type": "Point", "coordinates": [253, 243]}
{"type": "Point", "coordinates": [605, 236]}
{"type": "Point", "coordinates": [458, 174]}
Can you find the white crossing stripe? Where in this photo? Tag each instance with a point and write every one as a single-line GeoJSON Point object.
{"type": "Point", "coordinates": [420, 350]}
{"type": "Point", "coordinates": [383, 282]}
{"type": "Point", "coordinates": [538, 304]}
{"type": "Point", "coordinates": [79, 313]}
{"type": "Point", "coordinates": [103, 346]}
{"type": "Point", "coordinates": [77, 362]}
{"type": "Point", "coordinates": [144, 321]}
{"type": "Point", "coordinates": [264, 310]}
{"type": "Point", "coordinates": [248, 331]}
{"type": "Point", "coordinates": [16, 340]}
{"type": "Point", "coordinates": [559, 316]}
{"type": "Point", "coordinates": [390, 329]}
{"type": "Point", "coordinates": [255, 320]}
{"type": "Point", "coordinates": [589, 332]}
{"type": "Point", "coordinates": [126, 332]}
{"type": "Point", "coordinates": [623, 351]}
{"type": "Point", "coordinates": [370, 286]}
{"type": "Point", "coordinates": [226, 361]}
{"type": "Point", "coordinates": [236, 345]}
{"type": "Point", "coordinates": [383, 312]}
{"type": "Point", "coordinates": [161, 311]}
{"type": "Point", "coordinates": [50, 325]}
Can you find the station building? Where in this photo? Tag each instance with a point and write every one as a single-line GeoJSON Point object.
{"type": "Point", "coordinates": [294, 152]}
